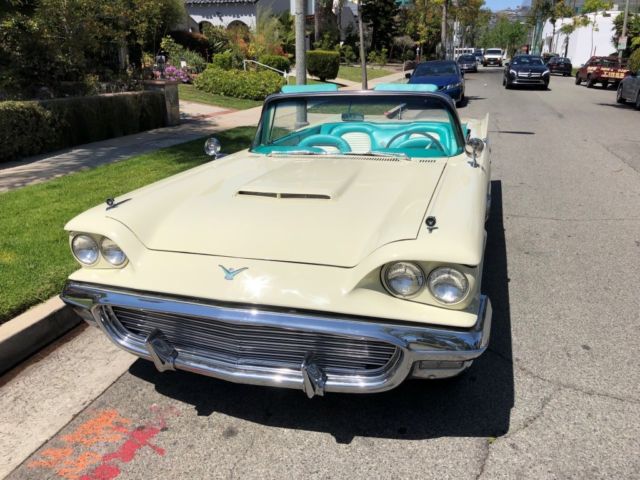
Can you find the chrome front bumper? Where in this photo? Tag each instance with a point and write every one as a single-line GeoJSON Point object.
{"type": "Point", "coordinates": [423, 351]}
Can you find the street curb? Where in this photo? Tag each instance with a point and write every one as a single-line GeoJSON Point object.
{"type": "Point", "coordinates": [25, 334]}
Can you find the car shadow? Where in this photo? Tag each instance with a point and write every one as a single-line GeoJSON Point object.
{"type": "Point", "coordinates": [624, 106]}
{"type": "Point", "coordinates": [477, 404]}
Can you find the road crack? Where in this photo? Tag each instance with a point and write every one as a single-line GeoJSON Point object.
{"type": "Point", "coordinates": [563, 385]}
{"type": "Point", "coordinates": [485, 459]}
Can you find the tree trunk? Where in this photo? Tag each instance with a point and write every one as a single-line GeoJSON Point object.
{"type": "Point", "coordinates": [316, 20]}
{"type": "Point", "coordinates": [443, 30]}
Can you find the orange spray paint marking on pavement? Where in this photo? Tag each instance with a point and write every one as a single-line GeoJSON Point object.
{"type": "Point", "coordinates": [107, 427]}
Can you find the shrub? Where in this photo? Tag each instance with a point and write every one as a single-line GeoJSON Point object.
{"type": "Point", "coordinates": [378, 58]}
{"type": "Point", "coordinates": [276, 61]}
{"type": "Point", "coordinates": [225, 60]}
{"type": "Point", "coordinates": [347, 54]}
{"type": "Point", "coordinates": [29, 128]}
{"type": "Point", "coordinates": [26, 128]}
{"type": "Point", "coordinates": [323, 64]}
{"type": "Point", "coordinates": [239, 84]}
{"type": "Point", "coordinates": [634, 61]}
{"type": "Point", "coordinates": [196, 42]}
{"type": "Point", "coordinates": [176, 53]}
{"type": "Point", "coordinates": [176, 74]}
{"type": "Point", "coordinates": [217, 38]}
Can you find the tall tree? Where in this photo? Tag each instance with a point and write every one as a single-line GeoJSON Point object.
{"type": "Point", "coordinates": [381, 16]}
{"type": "Point", "coordinates": [595, 6]}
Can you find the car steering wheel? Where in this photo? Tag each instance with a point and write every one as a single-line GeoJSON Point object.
{"type": "Point", "coordinates": [319, 140]}
{"type": "Point", "coordinates": [417, 142]}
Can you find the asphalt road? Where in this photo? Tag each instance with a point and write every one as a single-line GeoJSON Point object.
{"type": "Point", "coordinates": [557, 395]}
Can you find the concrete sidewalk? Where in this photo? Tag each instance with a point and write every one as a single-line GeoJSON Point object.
{"type": "Point", "coordinates": [198, 120]}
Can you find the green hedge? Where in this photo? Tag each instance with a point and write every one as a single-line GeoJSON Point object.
{"type": "Point", "coordinates": [29, 128]}
{"type": "Point", "coordinates": [238, 83]}
{"type": "Point", "coordinates": [323, 64]}
{"type": "Point", "coordinates": [634, 61]}
{"type": "Point", "coordinates": [276, 61]}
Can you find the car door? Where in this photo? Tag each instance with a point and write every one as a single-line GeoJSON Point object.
{"type": "Point", "coordinates": [634, 86]}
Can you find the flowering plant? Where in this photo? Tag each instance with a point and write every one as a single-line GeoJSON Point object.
{"type": "Point", "coordinates": [177, 74]}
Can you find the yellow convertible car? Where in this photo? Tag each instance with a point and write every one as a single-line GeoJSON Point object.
{"type": "Point", "coordinates": [342, 252]}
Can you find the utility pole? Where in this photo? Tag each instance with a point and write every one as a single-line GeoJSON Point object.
{"type": "Point", "coordinates": [301, 51]}
{"type": "Point", "coordinates": [443, 29]}
{"type": "Point", "coordinates": [363, 58]}
{"type": "Point", "coordinates": [624, 29]}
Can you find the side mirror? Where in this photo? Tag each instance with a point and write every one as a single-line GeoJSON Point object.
{"type": "Point", "coordinates": [407, 75]}
{"type": "Point", "coordinates": [473, 148]}
{"type": "Point", "coordinates": [506, 64]}
{"type": "Point", "coordinates": [212, 147]}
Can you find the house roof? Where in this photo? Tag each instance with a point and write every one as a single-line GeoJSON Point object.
{"type": "Point", "coordinates": [216, 2]}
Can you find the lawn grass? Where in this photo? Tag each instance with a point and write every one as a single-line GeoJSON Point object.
{"type": "Point", "coordinates": [355, 73]}
{"type": "Point", "coordinates": [192, 94]}
{"type": "Point", "coordinates": [34, 252]}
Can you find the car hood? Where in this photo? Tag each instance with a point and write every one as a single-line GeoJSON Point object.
{"type": "Point", "coordinates": [318, 210]}
{"type": "Point", "coordinates": [438, 80]}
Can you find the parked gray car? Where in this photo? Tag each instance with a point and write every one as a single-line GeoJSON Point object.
{"type": "Point", "coordinates": [629, 90]}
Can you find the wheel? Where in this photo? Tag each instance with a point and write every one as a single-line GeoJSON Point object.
{"type": "Point", "coordinates": [590, 81]}
{"type": "Point", "coordinates": [504, 81]}
{"type": "Point", "coordinates": [507, 85]}
{"type": "Point", "coordinates": [605, 84]}
{"type": "Point", "coordinates": [638, 101]}
{"type": "Point", "coordinates": [565, 74]}
{"type": "Point", "coordinates": [578, 81]}
{"type": "Point", "coordinates": [619, 97]}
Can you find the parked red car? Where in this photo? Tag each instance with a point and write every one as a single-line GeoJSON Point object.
{"type": "Point", "coordinates": [603, 70]}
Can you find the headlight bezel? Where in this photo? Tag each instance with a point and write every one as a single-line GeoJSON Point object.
{"type": "Point", "coordinates": [412, 265]}
{"type": "Point", "coordinates": [101, 260]}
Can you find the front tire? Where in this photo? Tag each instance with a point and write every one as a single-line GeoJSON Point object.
{"type": "Point", "coordinates": [638, 101]}
{"type": "Point", "coordinates": [590, 82]}
{"type": "Point", "coordinates": [578, 81]}
{"type": "Point", "coordinates": [619, 97]}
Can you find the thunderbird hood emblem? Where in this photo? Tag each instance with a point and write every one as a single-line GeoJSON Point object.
{"type": "Point", "coordinates": [230, 273]}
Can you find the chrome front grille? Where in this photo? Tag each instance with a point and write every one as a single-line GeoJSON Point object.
{"type": "Point", "coordinates": [529, 74]}
{"type": "Point", "coordinates": [258, 346]}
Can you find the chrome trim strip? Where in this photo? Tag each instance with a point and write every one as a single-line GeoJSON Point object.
{"type": "Point", "coordinates": [414, 342]}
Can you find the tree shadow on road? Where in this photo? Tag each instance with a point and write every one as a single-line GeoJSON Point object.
{"type": "Point", "coordinates": [478, 404]}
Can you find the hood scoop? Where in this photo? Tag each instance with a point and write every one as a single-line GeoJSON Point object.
{"type": "Point", "coordinates": [310, 196]}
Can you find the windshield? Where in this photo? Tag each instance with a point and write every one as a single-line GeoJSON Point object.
{"type": "Point", "coordinates": [431, 69]}
{"type": "Point", "coordinates": [466, 58]}
{"type": "Point", "coordinates": [395, 125]}
{"type": "Point", "coordinates": [527, 61]}
{"type": "Point", "coordinates": [494, 51]}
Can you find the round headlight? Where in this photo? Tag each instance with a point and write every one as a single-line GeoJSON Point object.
{"type": "Point", "coordinates": [448, 285]}
{"type": "Point", "coordinates": [403, 279]}
{"type": "Point", "coordinates": [85, 249]}
{"type": "Point", "coordinates": [112, 252]}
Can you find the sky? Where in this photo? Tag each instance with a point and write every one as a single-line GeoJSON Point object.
{"type": "Point", "coordinates": [502, 4]}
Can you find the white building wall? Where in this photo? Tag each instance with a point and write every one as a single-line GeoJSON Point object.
{"type": "Point", "coordinates": [223, 14]}
{"type": "Point", "coordinates": [581, 47]}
